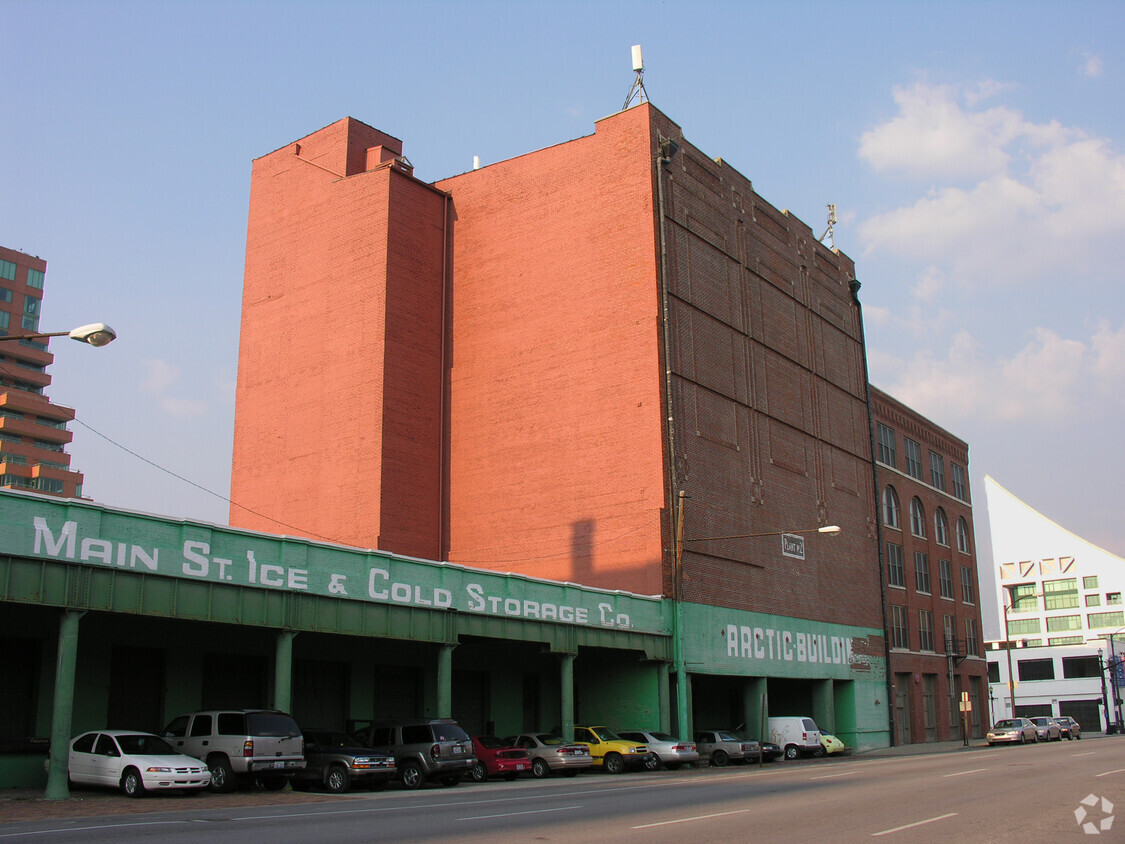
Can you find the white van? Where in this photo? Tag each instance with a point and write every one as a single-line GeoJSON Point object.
{"type": "Point", "coordinates": [796, 736]}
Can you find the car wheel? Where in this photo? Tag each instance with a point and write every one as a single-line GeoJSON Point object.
{"type": "Point", "coordinates": [338, 780]}
{"type": "Point", "coordinates": [819, 753]}
{"type": "Point", "coordinates": [540, 768]}
{"type": "Point", "coordinates": [1023, 739]}
{"type": "Point", "coordinates": [652, 762]}
{"type": "Point", "coordinates": [222, 775]}
{"type": "Point", "coordinates": [791, 751]}
{"type": "Point", "coordinates": [614, 764]}
{"type": "Point", "coordinates": [720, 758]}
{"type": "Point", "coordinates": [132, 784]}
{"type": "Point", "coordinates": [411, 774]}
{"type": "Point", "coordinates": [451, 781]}
{"type": "Point", "coordinates": [479, 773]}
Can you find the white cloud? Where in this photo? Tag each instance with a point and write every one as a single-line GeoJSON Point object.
{"type": "Point", "coordinates": [160, 376]}
{"type": "Point", "coordinates": [1091, 65]}
{"type": "Point", "coordinates": [183, 408]}
{"type": "Point", "coordinates": [1051, 379]}
{"type": "Point", "coordinates": [1043, 199]}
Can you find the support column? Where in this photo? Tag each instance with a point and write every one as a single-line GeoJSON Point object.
{"type": "Point", "coordinates": [664, 696]}
{"type": "Point", "coordinates": [566, 681]}
{"type": "Point", "coordinates": [445, 681]}
{"type": "Point", "coordinates": [754, 714]}
{"type": "Point", "coordinates": [283, 671]}
{"type": "Point", "coordinates": [62, 708]}
{"type": "Point", "coordinates": [824, 705]}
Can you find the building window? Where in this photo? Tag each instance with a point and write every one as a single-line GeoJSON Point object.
{"type": "Point", "coordinates": [1065, 640]}
{"type": "Point", "coordinates": [968, 593]}
{"type": "Point", "coordinates": [29, 323]}
{"type": "Point", "coordinates": [8, 270]}
{"type": "Point", "coordinates": [941, 527]}
{"type": "Point", "coordinates": [30, 305]}
{"type": "Point", "coordinates": [1090, 582]}
{"type": "Point", "coordinates": [49, 485]}
{"type": "Point", "coordinates": [1106, 619]}
{"type": "Point", "coordinates": [926, 630]}
{"type": "Point", "coordinates": [971, 646]}
{"type": "Point", "coordinates": [1036, 669]}
{"type": "Point", "coordinates": [1112, 598]}
{"type": "Point", "coordinates": [5, 294]}
{"type": "Point", "coordinates": [922, 572]}
{"type": "Point", "coordinates": [1061, 594]}
{"type": "Point", "coordinates": [937, 471]}
{"type": "Point", "coordinates": [1076, 667]}
{"type": "Point", "coordinates": [957, 478]}
{"type": "Point", "coordinates": [890, 507]}
{"type": "Point", "coordinates": [1093, 600]}
{"type": "Point", "coordinates": [896, 575]}
{"type": "Point", "coordinates": [945, 578]}
{"type": "Point", "coordinates": [5, 319]}
{"type": "Point", "coordinates": [917, 518]}
{"type": "Point", "coordinates": [1062, 623]}
{"type": "Point", "coordinates": [35, 278]}
{"type": "Point", "coordinates": [950, 636]}
{"type": "Point", "coordinates": [900, 636]}
{"type": "Point", "coordinates": [994, 672]}
{"type": "Point", "coordinates": [962, 535]}
{"type": "Point", "coordinates": [886, 444]}
{"type": "Point", "coordinates": [1023, 598]}
{"type": "Point", "coordinates": [1023, 627]}
{"type": "Point", "coordinates": [913, 453]}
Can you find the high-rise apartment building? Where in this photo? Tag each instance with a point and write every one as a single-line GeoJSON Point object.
{"type": "Point", "coordinates": [930, 574]}
{"type": "Point", "coordinates": [33, 433]}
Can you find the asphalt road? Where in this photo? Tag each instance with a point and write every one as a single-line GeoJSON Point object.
{"type": "Point", "coordinates": [1027, 793]}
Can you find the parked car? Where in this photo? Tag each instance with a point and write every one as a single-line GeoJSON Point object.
{"type": "Point", "coordinates": [241, 745]}
{"type": "Point", "coordinates": [771, 752]}
{"type": "Point", "coordinates": [498, 758]}
{"type": "Point", "coordinates": [831, 745]}
{"type": "Point", "coordinates": [550, 754]}
{"type": "Point", "coordinates": [609, 751]}
{"type": "Point", "coordinates": [1070, 728]}
{"type": "Point", "coordinates": [1047, 729]}
{"type": "Point", "coordinates": [1009, 730]}
{"type": "Point", "coordinates": [721, 747]}
{"type": "Point", "coordinates": [338, 761]}
{"type": "Point", "coordinates": [796, 734]}
{"type": "Point", "coordinates": [425, 749]}
{"type": "Point", "coordinates": [667, 750]}
{"type": "Point", "coordinates": [135, 762]}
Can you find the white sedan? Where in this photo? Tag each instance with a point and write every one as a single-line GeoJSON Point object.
{"type": "Point", "coordinates": [134, 762]}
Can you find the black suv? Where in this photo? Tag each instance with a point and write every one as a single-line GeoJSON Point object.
{"type": "Point", "coordinates": [338, 761]}
{"type": "Point", "coordinates": [424, 749]}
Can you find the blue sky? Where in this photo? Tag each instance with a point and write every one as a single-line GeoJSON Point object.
{"type": "Point", "coordinates": [975, 151]}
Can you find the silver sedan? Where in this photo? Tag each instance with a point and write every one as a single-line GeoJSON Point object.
{"type": "Point", "coordinates": [668, 751]}
{"type": "Point", "coordinates": [1012, 731]}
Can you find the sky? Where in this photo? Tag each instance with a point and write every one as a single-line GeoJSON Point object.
{"type": "Point", "coordinates": [975, 152]}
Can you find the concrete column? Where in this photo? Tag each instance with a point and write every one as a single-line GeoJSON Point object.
{"type": "Point", "coordinates": [754, 711]}
{"type": "Point", "coordinates": [664, 696]}
{"type": "Point", "coordinates": [824, 705]}
{"type": "Point", "coordinates": [445, 681]}
{"type": "Point", "coordinates": [283, 671]}
{"type": "Point", "coordinates": [63, 706]}
{"type": "Point", "coordinates": [566, 682]}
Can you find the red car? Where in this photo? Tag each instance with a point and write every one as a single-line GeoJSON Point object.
{"type": "Point", "coordinates": [495, 758]}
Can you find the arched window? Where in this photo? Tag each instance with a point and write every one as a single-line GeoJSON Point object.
{"type": "Point", "coordinates": [917, 518]}
{"type": "Point", "coordinates": [962, 535]}
{"type": "Point", "coordinates": [890, 507]}
{"type": "Point", "coordinates": [941, 527]}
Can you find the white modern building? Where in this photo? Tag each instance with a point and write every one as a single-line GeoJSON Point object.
{"type": "Point", "coordinates": [1060, 616]}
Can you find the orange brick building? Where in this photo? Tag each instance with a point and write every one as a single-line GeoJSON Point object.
{"type": "Point", "coordinates": [521, 368]}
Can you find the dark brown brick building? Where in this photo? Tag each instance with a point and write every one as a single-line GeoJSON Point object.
{"type": "Point", "coordinates": [929, 557]}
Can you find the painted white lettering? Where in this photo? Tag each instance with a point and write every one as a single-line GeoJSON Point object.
{"type": "Point", "coordinates": [443, 598]}
{"type": "Point", "coordinates": [400, 592]}
{"type": "Point", "coordinates": [222, 564]}
{"type": "Point", "coordinates": [759, 649]}
{"type": "Point", "coordinates": [550, 612]}
{"type": "Point", "coordinates": [604, 610]}
{"type": "Point", "coordinates": [253, 566]}
{"type": "Point", "coordinates": [747, 641]}
{"type": "Point", "coordinates": [511, 606]}
{"type": "Point", "coordinates": [137, 554]}
{"type": "Point", "coordinates": [531, 609]}
{"type": "Point", "coordinates": [494, 604]}
{"type": "Point", "coordinates": [271, 575]}
{"type": "Point", "coordinates": [298, 579]}
{"type": "Point", "coordinates": [732, 640]}
{"type": "Point", "coordinates": [337, 584]}
{"type": "Point", "coordinates": [787, 645]}
{"type": "Point", "coordinates": [802, 648]}
{"type": "Point", "coordinates": [476, 597]}
{"type": "Point", "coordinates": [196, 564]}
{"type": "Point", "coordinates": [45, 539]}
{"type": "Point", "coordinates": [580, 615]}
{"type": "Point", "coordinates": [380, 594]}
{"type": "Point", "coordinates": [97, 549]}
{"type": "Point", "coordinates": [566, 614]}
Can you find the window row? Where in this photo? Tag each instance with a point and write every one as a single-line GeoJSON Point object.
{"type": "Point", "coordinates": [892, 519]}
{"type": "Point", "coordinates": [900, 632]}
{"type": "Point", "coordinates": [1018, 627]}
{"type": "Point", "coordinates": [896, 574]}
{"type": "Point", "coordinates": [1060, 594]}
{"type": "Point", "coordinates": [887, 454]}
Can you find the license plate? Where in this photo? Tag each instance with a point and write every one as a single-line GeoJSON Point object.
{"type": "Point", "coordinates": [456, 751]}
{"type": "Point", "coordinates": [519, 767]}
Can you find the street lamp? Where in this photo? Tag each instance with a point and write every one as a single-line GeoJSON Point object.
{"type": "Point", "coordinates": [1113, 669]}
{"type": "Point", "coordinates": [96, 334]}
{"type": "Point", "coordinates": [1010, 604]}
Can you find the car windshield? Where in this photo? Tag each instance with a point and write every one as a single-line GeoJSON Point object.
{"type": "Point", "coordinates": [662, 737]}
{"type": "Point", "coordinates": [727, 737]}
{"type": "Point", "coordinates": [145, 745]}
{"type": "Point", "coordinates": [1006, 725]}
{"type": "Point", "coordinates": [449, 732]}
{"type": "Point", "coordinates": [606, 734]}
{"type": "Point", "coordinates": [334, 740]}
{"type": "Point", "coordinates": [491, 742]}
{"type": "Point", "coordinates": [272, 724]}
{"type": "Point", "coordinates": [549, 740]}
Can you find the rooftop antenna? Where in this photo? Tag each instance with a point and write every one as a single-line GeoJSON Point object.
{"type": "Point", "coordinates": [637, 92]}
{"type": "Point", "coordinates": [831, 223]}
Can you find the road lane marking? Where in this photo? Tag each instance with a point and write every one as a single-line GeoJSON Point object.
{"type": "Point", "coordinates": [513, 814]}
{"type": "Point", "coordinates": [832, 776]}
{"type": "Point", "coordinates": [1087, 753]}
{"type": "Point", "coordinates": [686, 820]}
{"type": "Point", "coordinates": [962, 773]}
{"type": "Point", "coordinates": [1107, 773]}
{"type": "Point", "coordinates": [912, 825]}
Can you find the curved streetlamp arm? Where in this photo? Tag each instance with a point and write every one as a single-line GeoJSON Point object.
{"type": "Point", "coordinates": [95, 334]}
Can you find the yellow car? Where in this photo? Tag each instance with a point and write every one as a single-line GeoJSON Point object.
{"type": "Point", "coordinates": [609, 750]}
{"type": "Point", "coordinates": [829, 745]}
